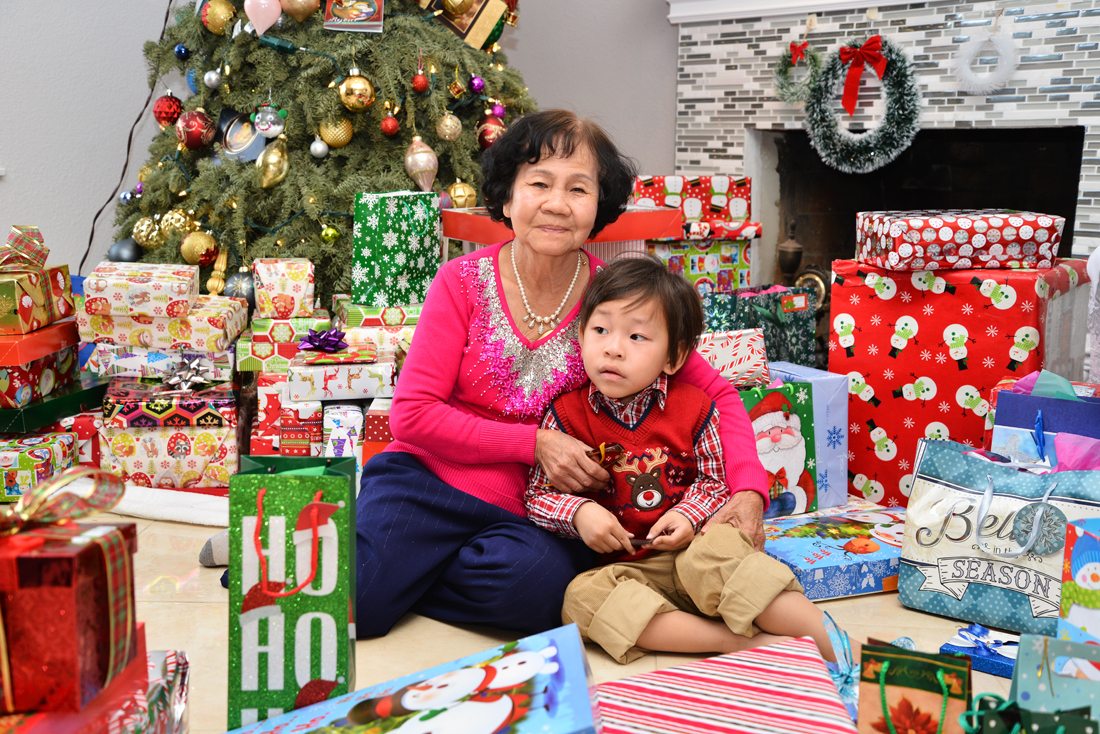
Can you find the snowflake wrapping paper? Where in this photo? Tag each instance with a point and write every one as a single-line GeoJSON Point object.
{"type": "Point", "coordinates": [31, 299]}
{"type": "Point", "coordinates": [1081, 389]}
{"type": "Point", "coordinates": [210, 326]}
{"type": "Point", "coordinates": [714, 207]}
{"type": "Point", "coordinates": [958, 239]}
{"type": "Point", "coordinates": [716, 266]}
{"type": "Point", "coordinates": [116, 360]}
{"type": "Point", "coordinates": [140, 289]}
{"type": "Point", "coordinates": [30, 460]}
{"type": "Point", "coordinates": [253, 356]}
{"type": "Point", "coordinates": [387, 340]}
{"type": "Point", "coordinates": [348, 375]}
{"type": "Point", "coordinates": [398, 247]}
{"type": "Point", "coordinates": [353, 315]}
{"type": "Point", "coordinates": [284, 287]}
{"type": "Point", "coordinates": [342, 427]}
{"type": "Point", "coordinates": [301, 428]}
{"type": "Point", "coordinates": [282, 331]}
{"type": "Point", "coordinates": [22, 384]}
{"type": "Point", "coordinates": [921, 351]}
{"type": "Point", "coordinates": [738, 355]}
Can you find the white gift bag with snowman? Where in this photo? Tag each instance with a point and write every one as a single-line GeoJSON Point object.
{"type": "Point", "coordinates": [1079, 612]}
{"type": "Point", "coordinates": [984, 540]}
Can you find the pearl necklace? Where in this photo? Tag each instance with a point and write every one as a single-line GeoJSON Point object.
{"type": "Point", "coordinates": [544, 322]}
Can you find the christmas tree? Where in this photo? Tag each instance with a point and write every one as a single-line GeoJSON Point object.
{"type": "Point", "coordinates": [348, 104]}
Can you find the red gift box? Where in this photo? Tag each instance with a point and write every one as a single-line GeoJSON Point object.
{"type": "Point", "coordinates": [87, 428]}
{"type": "Point", "coordinates": [922, 350]}
{"type": "Point", "coordinates": [376, 428]}
{"type": "Point", "coordinates": [1082, 389]}
{"type": "Point", "coordinates": [270, 395]}
{"type": "Point", "coordinates": [713, 207]}
{"type": "Point", "coordinates": [18, 349]}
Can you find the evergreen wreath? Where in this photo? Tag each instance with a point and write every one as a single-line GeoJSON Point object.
{"type": "Point", "coordinates": [1008, 60]}
{"type": "Point", "coordinates": [791, 92]}
{"type": "Point", "coordinates": [852, 153]}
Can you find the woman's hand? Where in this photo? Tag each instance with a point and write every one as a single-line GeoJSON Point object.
{"type": "Point", "coordinates": [744, 511]}
{"type": "Point", "coordinates": [562, 458]}
{"type": "Point", "coordinates": [600, 530]}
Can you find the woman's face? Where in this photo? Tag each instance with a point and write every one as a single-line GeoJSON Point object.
{"type": "Point", "coordinates": [553, 203]}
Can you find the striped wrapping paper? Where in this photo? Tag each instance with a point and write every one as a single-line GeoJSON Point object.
{"type": "Point", "coordinates": [779, 688]}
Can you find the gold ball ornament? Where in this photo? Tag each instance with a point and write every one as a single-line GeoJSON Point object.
{"type": "Point", "coordinates": [144, 172]}
{"type": "Point", "coordinates": [336, 133]}
{"type": "Point", "coordinates": [356, 92]}
{"type": "Point", "coordinates": [421, 163]}
{"type": "Point", "coordinates": [177, 221]}
{"type": "Point", "coordinates": [457, 7]}
{"type": "Point", "coordinates": [330, 234]}
{"type": "Point", "coordinates": [299, 10]}
{"type": "Point", "coordinates": [196, 246]}
{"type": "Point", "coordinates": [449, 127]}
{"type": "Point", "coordinates": [217, 15]}
{"type": "Point", "coordinates": [147, 233]}
{"type": "Point", "coordinates": [462, 194]}
{"type": "Point", "coordinates": [274, 163]}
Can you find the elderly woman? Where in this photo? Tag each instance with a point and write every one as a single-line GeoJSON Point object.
{"type": "Point", "coordinates": [441, 524]}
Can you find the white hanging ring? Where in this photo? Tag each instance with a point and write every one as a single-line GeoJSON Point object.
{"type": "Point", "coordinates": [1008, 60]}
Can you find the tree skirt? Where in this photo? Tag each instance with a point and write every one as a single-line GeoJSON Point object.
{"type": "Point", "coordinates": [152, 503]}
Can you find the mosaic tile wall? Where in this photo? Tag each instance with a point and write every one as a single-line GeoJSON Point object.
{"type": "Point", "coordinates": [725, 79]}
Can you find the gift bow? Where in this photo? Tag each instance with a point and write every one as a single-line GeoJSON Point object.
{"type": "Point", "coordinates": [190, 372]}
{"type": "Point", "coordinates": [780, 477]}
{"type": "Point", "coordinates": [798, 52]}
{"type": "Point", "coordinates": [25, 250]}
{"type": "Point", "coordinates": [869, 53]}
{"type": "Point", "coordinates": [330, 340]}
{"type": "Point", "coordinates": [977, 636]}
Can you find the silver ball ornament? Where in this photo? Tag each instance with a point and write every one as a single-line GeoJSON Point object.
{"type": "Point", "coordinates": [212, 79]}
{"type": "Point", "coordinates": [318, 148]}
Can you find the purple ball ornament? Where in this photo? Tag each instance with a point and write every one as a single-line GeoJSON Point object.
{"type": "Point", "coordinates": [477, 84]}
{"type": "Point", "coordinates": [139, 188]}
{"type": "Point", "coordinates": [499, 111]}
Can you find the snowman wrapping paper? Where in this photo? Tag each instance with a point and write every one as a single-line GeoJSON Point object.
{"type": "Point", "coordinates": [714, 207]}
{"type": "Point", "coordinates": [1079, 612]}
{"type": "Point", "coordinates": [922, 350]}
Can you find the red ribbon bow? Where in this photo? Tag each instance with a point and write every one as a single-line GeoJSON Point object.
{"type": "Point", "coordinates": [869, 53]}
{"type": "Point", "coordinates": [798, 52]}
{"type": "Point", "coordinates": [779, 479]}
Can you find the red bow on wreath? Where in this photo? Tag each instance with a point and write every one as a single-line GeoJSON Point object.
{"type": "Point", "coordinates": [798, 52]}
{"type": "Point", "coordinates": [869, 53]}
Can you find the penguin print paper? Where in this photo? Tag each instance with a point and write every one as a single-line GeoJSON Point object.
{"type": "Point", "coordinates": [923, 349]}
{"type": "Point", "coordinates": [142, 289]}
{"type": "Point", "coordinates": [1079, 612]}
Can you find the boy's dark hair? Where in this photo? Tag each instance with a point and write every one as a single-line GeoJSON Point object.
{"type": "Point", "coordinates": [639, 279]}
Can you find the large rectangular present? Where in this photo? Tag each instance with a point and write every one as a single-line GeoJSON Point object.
{"type": "Point", "coordinates": [739, 356]}
{"type": "Point", "coordinates": [22, 384]}
{"type": "Point", "coordinates": [281, 331]}
{"type": "Point", "coordinates": [119, 360]}
{"type": "Point", "coordinates": [958, 239]}
{"type": "Point", "coordinates": [82, 395]}
{"type": "Point", "coordinates": [777, 688]}
{"type": "Point", "coordinates": [162, 290]}
{"type": "Point", "coordinates": [87, 427]}
{"type": "Point", "coordinates": [846, 554]}
{"type": "Point", "coordinates": [714, 207]}
{"type": "Point", "coordinates": [783, 424]}
{"type": "Point", "coordinates": [397, 247]}
{"type": "Point", "coordinates": [31, 294]}
{"type": "Point", "coordinates": [342, 434]}
{"type": "Point", "coordinates": [717, 266]}
{"type": "Point", "coordinates": [253, 356]}
{"type": "Point", "coordinates": [787, 316]}
{"type": "Point", "coordinates": [29, 460]}
{"type": "Point", "coordinates": [301, 428]}
{"type": "Point", "coordinates": [210, 326]}
{"type": "Point", "coordinates": [284, 287]}
{"type": "Point", "coordinates": [922, 349]}
{"type": "Point", "coordinates": [540, 684]}
{"type": "Point", "coordinates": [352, 315]}
{"type": "Point", "coordinates": [387, 340]}
{"type": "Point", "coordinates": [350, 374]}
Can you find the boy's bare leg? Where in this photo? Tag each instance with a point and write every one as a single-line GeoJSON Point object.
{"type": "Point", "coordinates": [792, 614]}
{"type": "Point", "coordinates": [681, 631]}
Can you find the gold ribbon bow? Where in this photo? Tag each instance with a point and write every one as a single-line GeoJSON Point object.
{"type": "Point", "coordinates": [26, 252]}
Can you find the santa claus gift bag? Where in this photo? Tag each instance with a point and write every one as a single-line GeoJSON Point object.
{"type": "Point", "coordinates": [291, 585]}
{"type": "Point", "coordinates": [783, 423]}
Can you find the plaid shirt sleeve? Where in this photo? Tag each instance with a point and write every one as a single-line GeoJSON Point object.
{"type": "Point", "coordinates": [709, 491]}
{"type": "Point", "coordinates": [546, 508]}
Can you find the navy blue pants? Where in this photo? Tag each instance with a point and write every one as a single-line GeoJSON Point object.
{"type": "Point", "coordinates": [426, 547]}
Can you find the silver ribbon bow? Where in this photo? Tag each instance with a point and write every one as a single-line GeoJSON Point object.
{"type": "Point", "coordinates": [189, 373]}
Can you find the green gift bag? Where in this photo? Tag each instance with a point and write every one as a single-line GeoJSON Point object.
{"type": "Point", "coordinates": [788, 319]}
{"type": "Point", "coordinates": [783, 423]}
{"type": "Point", "coordinates": [291, 585]}
{"type": "Point", "coordinates": [397, 247]}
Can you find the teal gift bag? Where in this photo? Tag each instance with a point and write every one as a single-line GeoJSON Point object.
{"type": "Point", "coordinates": [788, 319]}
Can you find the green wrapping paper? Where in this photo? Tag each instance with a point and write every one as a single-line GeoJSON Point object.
{"type": "Point", "coordinates": [65, 402]}
{"type": "Point", "coordinates": [397, 242]}
{"type": "Point", "coordinates": [787, 318]}
{"type": "Point", "coordinates": [291, 643]}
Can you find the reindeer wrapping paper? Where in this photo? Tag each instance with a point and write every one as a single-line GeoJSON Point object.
{"type": "Point", "coordinates": [140, 289]}
{"type": "Point", "coordinates": [347, 375]}
{"type": "Point", "coordinates": [922, 349]}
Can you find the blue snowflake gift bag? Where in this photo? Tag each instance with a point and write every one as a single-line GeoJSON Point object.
{"type": "Point", "coordinates": [984, 540]}
{"type": "Point", "coordinates": [783, 424]}
{"type": "Point", "coordinates": [397, 247]}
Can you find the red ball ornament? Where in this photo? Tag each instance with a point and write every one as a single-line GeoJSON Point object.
{"type": "Point", "coordinates": [420, 83]}
{"type": "Point", "coordinates": [195, 129]}
{"type": "Point", "coordinates": [489, 128]}
{"type": "Point", "coordinates": [390, 125]}
{"type": "Point", "coordinates": [167, 110]}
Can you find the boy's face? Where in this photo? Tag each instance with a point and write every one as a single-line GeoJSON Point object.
{"type": "Point", "coordinates": [624, 349]}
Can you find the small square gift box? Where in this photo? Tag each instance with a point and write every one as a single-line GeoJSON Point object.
{"type": "Point", "coordinates": [301, 431]}
{"type": "Point", "coordinates": [352, 315]}
{"type": "Point", "coordinates": [28, 460]}
{"type": "Point", "coordinates": [31, 294]}
{"type": "Point", "coordinates": [345, 375]}
{"type": "Point", "coordinates": [739, 356]}
{"type": "Point", "coordinates": [281, 331]}
{"type": "Point", "coordinates": [284, 287]}
{"type": "Point", "coordinates": [388, 340]}
{"type": "Point", "coordinates": [118, 360]}
{"type": "Point", "coordinates": [990, 652]}
{"type": "Point", "coordinates": [210, 326]}
{"type": "Point", "coordinates": [141, 289]}
{"type": "Point", "coordinates": [254, 356]}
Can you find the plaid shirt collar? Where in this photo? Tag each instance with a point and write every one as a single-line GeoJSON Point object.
{"type": "Point", "coordinates": [631, 412]}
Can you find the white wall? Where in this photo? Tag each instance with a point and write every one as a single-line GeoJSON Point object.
{"type": "Point", "coordinates": [68, 98]}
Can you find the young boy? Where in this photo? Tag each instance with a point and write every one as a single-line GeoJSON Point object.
{"type": "Point", "coordinates": [662, 588]}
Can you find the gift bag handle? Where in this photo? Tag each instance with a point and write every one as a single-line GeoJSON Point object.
{"type": "Point", "coordinates": [777, 317]}
{"type": "Point", "coordinates": [886, 708]}
{"type": "Point", "coordinates": [983, 510]}
{"type": "Point", "coordinates": [263, 558]}
{"type": "Point", "coordinates": [419, 231]}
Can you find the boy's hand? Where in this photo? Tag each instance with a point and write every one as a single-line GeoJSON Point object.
{"type": "Point", "coordinates": [672, 531]}
{"type": "Point", "coordinates": [600, 530]}
{"type": "Point", "coordinates": [563, 459]}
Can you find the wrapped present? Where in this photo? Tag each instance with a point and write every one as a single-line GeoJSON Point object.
{"type": "Point", "coordinates": [301, 428]}
{"type": "Point", "coordinates": [161, 290]}
{"type": "Point", "coordinates": [262, 444]}
{"type": "Point", "coordinates": [921, 351]}
{"type": "Point", "coordinates": [284, 287]}
{"type": "Point", "coordinates": [840, 555]}
{"type": "Point", "coordinates": [376, 427]}
{"type": "Point", "coordinates": [351, 316]}
{"type": "Point", "coordinates": [989, 652]}
{"type": "Point", "coordinates": [907, 691]}
{"type": "Point", "coordinates": [1081, 389]}
{"type": "Point", "coordinates": [718, 266]}
{"type": "Point", "coordinates": [387, 340]}
{"type": "Point", "coordinates": [253, 356]}
{"type": "Point", "coordinates": [958, 239]}
{"type": "Point", "coordinates": [210, 326]}
{"type": "Point", "coordinates": [1079, 610]}
{"type": "Point", "coordinates": [397, 247]}
{"type": "Point", "coordinates": [280, 331]}
{"type": "Point", "coordinates": [783, 424]}
{"type": "Point", "coordinates": [62, 404]}
{"type": "Point", "coordinates": [87, 427]}
{"type": "Point", "coordinates": [787, 316]}
{"type": "Point", "coordinates": [117, 360]}
{"type": "Point", "coordinates": [343, 435]}
{"type": "Point", "coordinates": [162, 437]}
{"type": "Point", "coordinates": [347, 375]}
{"type": "Point", "coordinates": [23, 384]}
{"type": "Point", "coordinates": [778, 688]}
{"type": "Point", "coordinates": [20, 349]}
{"type": "Point", "coordinates": [829, 393]}
{"type": "Point", "coordinates": [540, 684]}
{"type": "Point", "coordinates": [31, 295]}
{"type": "Point", "coordinates": [270, 396]}
{"type": "Point", "coordinates": [28, 460]}
{"type": "Point", "coordinates": [714, 207]}
{"type": "Point", "coordinates": [738, 355]}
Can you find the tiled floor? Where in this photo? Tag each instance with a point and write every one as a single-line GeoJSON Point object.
{"type": "Point", "coordinates": [184, 607]}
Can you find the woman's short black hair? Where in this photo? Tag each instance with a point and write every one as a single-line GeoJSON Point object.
{"type": "Point", "coordinates": [556, 133]}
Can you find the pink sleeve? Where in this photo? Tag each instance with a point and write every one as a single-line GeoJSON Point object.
{"type": "Point", "coordinates": [422, 414]}
{"type": "Point", "coordinates": [743, 469]}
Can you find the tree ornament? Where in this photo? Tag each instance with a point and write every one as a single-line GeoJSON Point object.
{"type": "Point", "coordinates": [511, 16]}
{"type": "Point", "coordinates": [477, 84]}
{"type": "Point", "coordinates": [1008, 61]}
{"type": "Point", "coordinates": [177, 221]}
{"type": "Point", "coordinates": [262, 14]}
{"type": "Point", "coordinates": [445, 200]}
{"type": "Point", "coordinates": [494, 35]}
{"type": "Point", "coordinates": [240, 285]}
{"type": "Point", "coordinates": [489, 128]}
{"type": "Point", "coordinates": [796, 93]}
{"type": "Point", "coordinates": [421, 163]}
{"type": "Point", "coordinates": [138, 188]}
{"type": "Point", "coordinates": [463, 195]}
{"type": "Point", "coordinates": [217, 15]}
{"type": "Point", "coordinates": [196, 245]}
{"type": "Point", "coordinates": [499, 110]}
{"type": "Point", "coordinates": [356, 91]}
{"type": "Point", "coordinates": [143, 172]}
{"type": "Point", "coordinates": [125, 197]}
{"type": "Point", "coordinates": [124, 251]}
{"type": "Point", "coordinates": [195, 129]}
{"type": "Point", "coordinates": [420, 83]}
{"type": "Point", "coordinates": [192, 82]}
{"type": "Point", "coordinates": [457, 7]}
{"type": "Point", "coordinates": [455, 88]}
{"type": "Point", "coordinates": [299, 10]}
{"type": "Point", "coordinates": [449, 127]}
{"type": "Point", "coordinates": [147, 233]}
{"type": "Point", "coordinates": [862, 153]}
{"type": "Point", "coordinates": [215, 284]}
{"type": "Point", "coordinates": [274, 163]}
{"type": "Point", "coordinates": [318, 148]}
{"type": "Point", "coordinates": [336, 133]}
{"type": "Point", "coordinates": [167, 109]}
{"type": "Point", "coordinates": [212, 79]}
{"type": "Point", "coordinates": [390, 126]}
{"type": "Point", "coordinates": [182, 52]}
{"type": "Point", "coordinates": [329, 234]}
{"type": "Point", "coordinates": [269, 120]}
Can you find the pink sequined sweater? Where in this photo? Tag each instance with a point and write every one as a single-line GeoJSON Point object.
{"type": "Point", "coordinates": [473, 389]}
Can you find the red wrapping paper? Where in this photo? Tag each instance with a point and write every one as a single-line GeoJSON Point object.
{"type": "Point", "coordinates": [87, 427]}
{"type": "Point", "coordinates": [376, 428]}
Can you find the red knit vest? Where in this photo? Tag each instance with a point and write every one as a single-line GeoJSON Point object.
{"type": "Point", "coordinates": [658, 462]}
